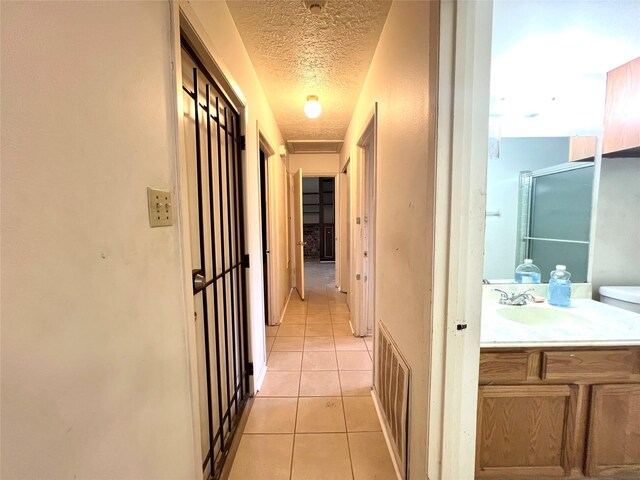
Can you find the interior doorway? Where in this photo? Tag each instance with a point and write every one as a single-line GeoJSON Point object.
{"type": "Point", "coordinates": [363, 241]}
{"type": "Point", "coordinates": [264, 216]}
{"type": "Point", "coordinates": [318, 207]}
{"type": "Point", "coordinates": [211, 127]}
{"type": "Point", "coordinates": [345, 228]}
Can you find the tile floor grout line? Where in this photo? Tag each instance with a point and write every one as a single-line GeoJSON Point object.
{"type": "Point", "coordinates": [346, 427]}
{"type": "Point", "coordinates": [324, 298]}
{"type": "Point", "coordinates": [293, 444]}
{"type": "Point", "coordinates": [295, 424]}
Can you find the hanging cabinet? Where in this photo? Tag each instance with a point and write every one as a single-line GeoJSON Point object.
{"type": "Point", "coordinates": [621, 136]}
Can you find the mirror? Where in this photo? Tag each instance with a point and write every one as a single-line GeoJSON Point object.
{"type": "Point", "coordinates": [549, 62]}
{"type": "Point", "coordinates": [539, 207]}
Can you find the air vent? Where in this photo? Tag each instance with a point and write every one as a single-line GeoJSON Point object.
{"type": "Point", "coordinates": [314, 146]}
{"type": "Point", "coordinates": [392, 389]}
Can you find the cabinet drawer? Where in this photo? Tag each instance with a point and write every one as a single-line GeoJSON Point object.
{"type": "Point", "coordinates": [612, 364]}
{"type": "Point", "coordinates": [503, 366]}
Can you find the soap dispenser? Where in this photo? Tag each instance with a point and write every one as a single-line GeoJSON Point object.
{"type": "Point", "coordinates": [527, 272]}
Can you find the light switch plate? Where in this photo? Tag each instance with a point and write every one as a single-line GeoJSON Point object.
{"type": "Point", "coordinates": [160, 208]}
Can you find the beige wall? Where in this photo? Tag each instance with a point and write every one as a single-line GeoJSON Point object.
{"type": "Point", "coordinates": [224, 43]}
{"type": "Point", "coordinates": [314, 164]}
{"type": "Point", "coordinates": [401, 79]}
{"type": "Point", "coordinates": [95, 379]}
{"type": "Point", "coordinates": [95, 361]}
{"type": "Point", "coordinates": [616, 240]}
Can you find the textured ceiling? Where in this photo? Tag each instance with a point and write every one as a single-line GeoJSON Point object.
{"type": "Point", "coordinates": [296, 53]}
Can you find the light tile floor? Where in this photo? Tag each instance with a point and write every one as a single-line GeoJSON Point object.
{"type": "Point", "coordinates": [314, 417]}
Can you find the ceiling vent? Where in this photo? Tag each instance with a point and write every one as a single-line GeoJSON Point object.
{"type": "Point", "coordinates": [314, 146]}
{"type": "Point", "coordinates": [315, 6]}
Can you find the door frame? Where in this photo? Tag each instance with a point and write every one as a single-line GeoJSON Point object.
{"type": "Point", "coordinates": [363, 282]}
{"type": "Point", "coordinates": [344, 228]}
{"type": "Point", "coordinates": [461, 162]}
{"type": "Point", "coordinates": [297, 204]}
{"type": "Point", "coordinates": [272, 317]}
{"type": "Point", "coordinates": [184, 21]}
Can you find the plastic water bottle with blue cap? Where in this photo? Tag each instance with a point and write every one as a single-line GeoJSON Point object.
{"type": "Point", "coordinates": [560, 287]}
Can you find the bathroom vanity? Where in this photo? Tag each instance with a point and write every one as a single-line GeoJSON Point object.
{"type": "Point", "coordinates": [559, 392]}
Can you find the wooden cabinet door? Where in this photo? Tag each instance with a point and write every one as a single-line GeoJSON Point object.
{"type": "Point", "coordinates": [621, 116]}
{"type": "Point", "coordinates": [613, 448]}
{"type": "Point", "coordinates": [524, 430]}
{"type": "Point", "coordinates": [582, 148]}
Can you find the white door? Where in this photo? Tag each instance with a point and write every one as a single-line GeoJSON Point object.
{"type": "Point", "coordinates": [364, 230]}
{"type": "Point", "coordinates": [366, 323]}
{"type": "Point", "coordinates": [297, 232]}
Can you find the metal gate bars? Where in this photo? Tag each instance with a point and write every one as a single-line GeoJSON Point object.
{"type": "Point", "coordinates": [213, 144]}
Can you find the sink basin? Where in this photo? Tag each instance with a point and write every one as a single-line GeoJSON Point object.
{"type": "Point", "coordinates": [536, 316]}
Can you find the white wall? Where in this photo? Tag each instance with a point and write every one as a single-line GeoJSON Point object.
{"type": "Point", "coordinates": [224, 43]}
{"type": "Point", "coordinates": [616, 239]}
{"type": "Point", "coordinates": [95, 360]}
{"type": "Point", "coordinates": [516, 155]}
{"type": "Point", "coordinates": [95, 378]}
{"type": "Point", "coordinates": [401, 79]}
{"type": "Point", "coordinates": [314, 164]}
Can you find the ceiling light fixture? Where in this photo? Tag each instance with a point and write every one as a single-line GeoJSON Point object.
{"type": "Point", "coordinates": [315, 6]}
{"type": "Point", "coordinates": [312, 108]}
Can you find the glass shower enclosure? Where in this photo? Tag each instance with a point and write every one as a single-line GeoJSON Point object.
{"type": "Point", "coordinates": [554, 218]}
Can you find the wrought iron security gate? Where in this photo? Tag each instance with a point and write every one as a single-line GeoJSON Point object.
{"type": "Point", "coordinates": [213, 145]}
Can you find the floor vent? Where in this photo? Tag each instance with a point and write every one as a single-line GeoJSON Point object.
{"type": "Point", "coordinates": [392, 389]}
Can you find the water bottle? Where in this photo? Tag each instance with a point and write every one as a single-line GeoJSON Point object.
{"type": "Point", "coordinates": [560, 287]}
{"type": "Point", "coordinates": [527, 272]}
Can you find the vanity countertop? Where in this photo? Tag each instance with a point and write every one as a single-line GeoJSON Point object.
{"type": "Point", "coordinates": [587, 323]}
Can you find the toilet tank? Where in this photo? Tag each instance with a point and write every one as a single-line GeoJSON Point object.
{"type": "Point", "coordinates": [622, 297]}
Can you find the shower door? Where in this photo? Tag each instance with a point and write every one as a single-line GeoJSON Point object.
{"type": "Point", "coordinates": [555, 218]}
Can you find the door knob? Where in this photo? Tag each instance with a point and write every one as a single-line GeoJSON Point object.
{"type": "Point", "coordinates": [198, 282]}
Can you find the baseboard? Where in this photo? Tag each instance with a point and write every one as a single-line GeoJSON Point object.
{"type": "Point", "coordinates": [353, 332]}
{"type": "Point", "coordinates": [385, 432]}
{"type": "Point", "coordinates": [286, 304]}
{"type": "Point", "coordinates": [258, 379]}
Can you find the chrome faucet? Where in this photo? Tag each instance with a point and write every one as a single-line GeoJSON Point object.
{"type": "Point", "coordinates": [515, 299]}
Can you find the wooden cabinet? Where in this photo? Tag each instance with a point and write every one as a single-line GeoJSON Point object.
{"type": "Point", "coordinates": [588, 364]}
{"type": "Point", "coordinates": [558, 412]}
{"type": "Point", "coordinates": [622, 111]}
{"type": "Point", "coordinates": [522, 430]}
{"type": "Point", "coordinates": [613, 448]}
{"type": "Point", "coordinates": [503, 366]}
{"type": "Point", "coordinates": [582, 148]}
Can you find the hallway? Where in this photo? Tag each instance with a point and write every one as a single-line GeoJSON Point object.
{"type": "Point", "coordinates": [158, 202]}
{"type": "Point", "coordinates": [314, 417]}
